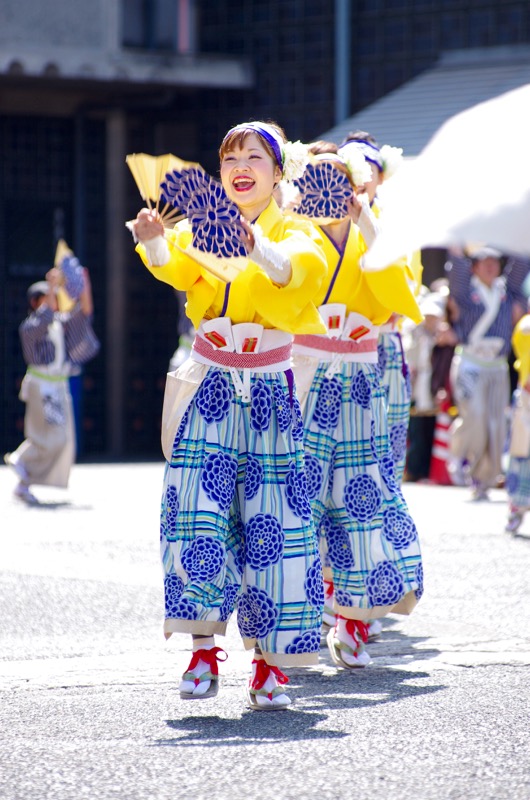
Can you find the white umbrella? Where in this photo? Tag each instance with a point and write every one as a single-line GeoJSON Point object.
{"type": "Point", "coordinates": [470, 184]}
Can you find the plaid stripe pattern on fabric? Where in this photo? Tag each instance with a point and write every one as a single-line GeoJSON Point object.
{"type": "Point", "coordinates": [236, 526]}
{"type": "Point", "coordinates": [397, 386]}
{"type": "Point", "coordinates": [369, 541]}
{"type": "Point", "coordinates": [518, 482]}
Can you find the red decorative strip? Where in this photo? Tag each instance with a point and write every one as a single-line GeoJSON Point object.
{"type": "Point", "coordinates": [250, 344]}
{"type": "Point", "coordinates": [316, 342]}
{"type": "Point", "coordinates": [215, 338]}
{"type": "Point", "coordinates": [358, 333]}
{"type": "Point", "coordinates": [242, 360]}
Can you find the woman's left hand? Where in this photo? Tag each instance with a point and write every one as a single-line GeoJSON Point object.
{"type": "Point", "coordinates": [247, 234]}
{"type": "Point", "coordinates": [355, 207]}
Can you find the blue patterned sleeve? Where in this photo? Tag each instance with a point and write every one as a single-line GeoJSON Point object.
{"type": "Point", "coordinates": [458, 271]}
{"type": "Point", "coordinates": [80, 340]}
{"type": "Point", "coordinates": [516, 272]}
{"type": "Point", "coordinates": [33, 332]}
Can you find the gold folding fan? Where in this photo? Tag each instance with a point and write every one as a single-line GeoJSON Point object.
{"type": "Point", "coordinates": [148, 173]}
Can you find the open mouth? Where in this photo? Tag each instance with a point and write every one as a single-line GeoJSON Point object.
{"type": "Point", "coordinates": [243, 183]}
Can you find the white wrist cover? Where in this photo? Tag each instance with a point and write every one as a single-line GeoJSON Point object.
{"type": "Point", "coordinates": [368, 225]}
{"type": "Point", "coordinates": [269, 257]}
{"type": "Point", "coordinates": [157, 251]}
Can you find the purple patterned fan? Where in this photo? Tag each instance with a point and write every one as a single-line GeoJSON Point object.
{"type": "Point", "coordinates": [214, 218]}
{"type": "Point", "coordinates": [324, 192]}
{"type": "Point", "coordinates": [179, 186]}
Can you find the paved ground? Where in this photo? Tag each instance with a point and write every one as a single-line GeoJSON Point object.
{"type": "Point", "coordinates": [89, 707]}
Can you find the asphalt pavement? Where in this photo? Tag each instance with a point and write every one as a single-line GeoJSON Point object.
{"type": "Point", "coordinates": [89, 707]}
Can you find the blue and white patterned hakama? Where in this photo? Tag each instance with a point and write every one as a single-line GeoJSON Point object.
{"type": "Point", "coordinates": [396, 381]}
{"type": "Point", "coordinates": [236, 527]}
{"type": "Point", "coordinates": [517, 483]}
{"type": "Point", "coordinates": [369, 541]}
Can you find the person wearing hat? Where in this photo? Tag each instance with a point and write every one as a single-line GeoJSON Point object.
{"type": "Point", "coordinates": [486, 302]}
{"type": "Point", "coordinates": [52, 342]}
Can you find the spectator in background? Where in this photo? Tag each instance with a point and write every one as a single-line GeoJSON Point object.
{"type": "Point", "coordinates": [485, 305]}
{"type": "Point", "coordinates": [419, 343]}
{"type": "Point", "coordinates": [53, 342]}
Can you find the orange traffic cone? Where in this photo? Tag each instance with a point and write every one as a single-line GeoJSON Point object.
{"type": "Point", "coordinates": [438, 472]}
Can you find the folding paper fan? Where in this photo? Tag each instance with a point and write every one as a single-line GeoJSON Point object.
{"type": "Point", "coordinates": [73, 287]}
{"type": "Point", "coordinates": [148, 173]}
{"type": "Point", "coordinates": [214, 220]}
{"type": "Point", "coordinates": [324, 193]}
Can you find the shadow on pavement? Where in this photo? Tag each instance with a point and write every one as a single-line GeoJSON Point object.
{"type": "Point", "coordinates": [253, 727]}
{"type": "Point", "coordinates": [322, 689]}
{"type": "Point", "coordinates": [356, 689]}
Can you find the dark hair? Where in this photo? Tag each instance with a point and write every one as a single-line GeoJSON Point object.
{"type": "Point", "coordinates": [359, 136]}
{"type": "Point", "coordinates": [236, 138]}
{"type": "Point", "coordinates": [321, 147]}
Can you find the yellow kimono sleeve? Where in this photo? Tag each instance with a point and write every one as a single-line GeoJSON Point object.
{"type": "Point", "coordinates": [415, 270]}
{"type": "Point", "coordinates": [391, 287]}
{"type": "Point", "coordinates": [521, 348]}
{"type": "Point", "coordinates": [183, 273]}
{"type": "Point", "coordinates": [291, 308]}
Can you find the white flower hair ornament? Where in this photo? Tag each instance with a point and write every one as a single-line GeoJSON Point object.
{"type": "Point", "coordinates": [392, 158]}
{"type": "Point", "coordinates": [295, 158]}
{"type": "Point", "coordinates": [291, 157]}
{"type": "Point", "coordinates": [358, 166]}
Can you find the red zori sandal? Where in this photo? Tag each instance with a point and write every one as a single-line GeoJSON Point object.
{"type": "Point", "coordinates": [201, 679]}
{"type": "Point", "coordinates": [264, 691]}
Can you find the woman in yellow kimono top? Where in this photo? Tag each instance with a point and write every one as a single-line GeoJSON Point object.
{"type": "Point", "coordinates": [236, 527]}
{"type": "Point", "coordinates": [370, 544]}
{"type": "Point", "coordinates": [384, 162]}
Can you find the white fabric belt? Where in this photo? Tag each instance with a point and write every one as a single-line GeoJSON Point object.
{"type": "Point", "coordinates": [242, 350]}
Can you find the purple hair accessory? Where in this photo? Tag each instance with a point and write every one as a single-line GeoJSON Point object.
{"type": "Point", "coordinates": [369, 150]}
{"type": "Point", "coordinates": [268, 133]}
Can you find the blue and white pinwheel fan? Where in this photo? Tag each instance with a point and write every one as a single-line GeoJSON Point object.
{"type": "Point", "coordinates": [324, 193]}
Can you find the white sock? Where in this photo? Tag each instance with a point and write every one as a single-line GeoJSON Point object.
{"type": "Point", "coordinates": [277, 701]}
{"type": "Point", "coordinates": [189, 686]}
{"type": "Point", "coordinates": [359, 657]}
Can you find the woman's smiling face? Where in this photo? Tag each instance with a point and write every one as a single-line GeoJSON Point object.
{"type": "Point", "coordinates": [249, 174]}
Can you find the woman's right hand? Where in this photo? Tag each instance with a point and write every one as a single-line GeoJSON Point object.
{"type": "Point", "coordinates": [147, 225]}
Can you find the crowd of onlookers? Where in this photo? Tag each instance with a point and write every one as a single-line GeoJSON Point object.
{"type": "Point", "coordinates": [466, 364]}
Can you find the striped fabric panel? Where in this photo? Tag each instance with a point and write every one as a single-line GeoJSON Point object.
{"type": "Point", "coordinates": [459, 273]}
{"type": "Point", "coordinates": [33, 332]}
{"type": "Point", "coordinates": [518, 482]}
{"type": "Point", "coordinates": [398, 400]}
{"type": "Point", "coordinates": [237, 481]}
{"type": "Point", "coordinates": [370, 541]}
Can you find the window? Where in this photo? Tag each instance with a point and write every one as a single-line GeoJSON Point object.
{"type": "Point", "coordinates": [150, 24]}
{"type": "Point", "coordinates": [452, 36]}
{"type": "Point", "coordinates": [395, 36]}
{"type": "Point", "coordinates": [481, 28]}
{"type": "Point", "coordinates": [512, 25]}
{"type": "Point", "coordinates": [368, 39]}
{"type": "Point", "coordinates": [423, 34]}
